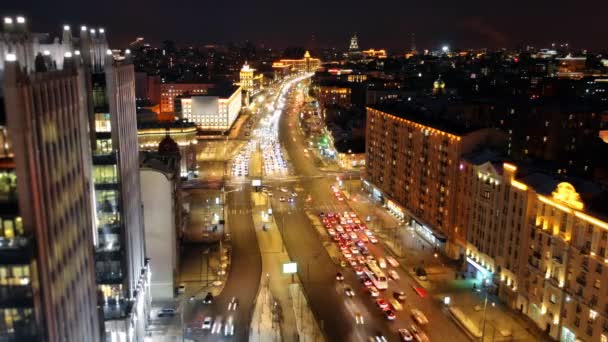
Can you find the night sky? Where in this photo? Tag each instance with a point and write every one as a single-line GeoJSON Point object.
{"type": "Point", "coordinates": [386, 24]}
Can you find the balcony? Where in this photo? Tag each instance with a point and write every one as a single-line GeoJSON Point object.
{"type": "Point", "coordinates": [24, 330]}
{"type": "Point", "coordinates": [581, 280]}
{"type": "Point", "coordinates": [558, 259]}
{"type": "Point", "coordinates": [534, 262]}
{"type": "Point", "coordinates": [109, 277]}
{"type": "Point", "coordinates": [116, 309]}
{"type": "Point", "coordinates": [13, 296]}
{"type": "Point", "coordinates": [16, 251]}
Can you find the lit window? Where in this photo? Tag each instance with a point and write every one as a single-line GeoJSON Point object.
{"type": "Point", "coordinates": [592, 315]}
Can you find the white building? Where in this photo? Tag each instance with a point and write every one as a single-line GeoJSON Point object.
{"type": "Point", "coordinates": [159, 175]}
{"type": "Point", "coordinates": [215, 111]}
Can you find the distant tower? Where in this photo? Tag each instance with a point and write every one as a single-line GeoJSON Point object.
{"type": "Point", "coordinates": [246, 80]}
{"type": "Point", "coordinates": [354, 53]}
{"type": "Point", "coordinates": [413, 47]}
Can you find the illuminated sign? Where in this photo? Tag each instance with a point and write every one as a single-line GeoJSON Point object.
{"type": "Point", "coordinates": [290, 268]}
{"type": "Point", "coordinates": [256, 182]}
{"type": "Point", "coordinates": [566, 194]}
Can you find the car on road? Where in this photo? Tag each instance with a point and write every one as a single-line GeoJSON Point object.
{"type": "Point", "coordinates": [382, 304]}
{"type": "Point", "coordinates": [166, 312]}
{"type": "Point", "coordinates": [393, 274]}
{"type": "Point", "coordinates": [229, 327]}
{"type": "Point", "coordinates": [281, 199]}
{"type": "Point", "coordinates": [234, 304]}
{"type": "Point", "coordinates": [395, 304]}
{"type": "Point", "coordinates": [405, 335]}
{"type": "Point", "coordinates": [359, 318]}
{"type": "Point", "coordinates": [216, 328]}
{"type": "Point", "coordinates": [378, 337]}
{"type": "Point", "coordinates": [358, 270]}
{"type": "Point", "coordinates": [339, 276]}
{"type": "Point", "coordinates": [392, 261]}
{"type": "Point", "coordinates": [420, 291]}
{"type": "Point", "coordinates": [390, 314]}
{"type": "Point", "coordinates": [331, 232]}
{"type": "Point", "coordinates": [283, 189]}
{"type": "Point", "coordinates": [421, 337]}
{"type": "Point", "coordinates": [207, 323]}
{"type": "Point", "coordinates": [399, 295]}
{"type": "Point", "coordinates": [354, 249]}
{"type": "Point", "coordinates": [363, 238]}
{"type": "Point", "coordinates": [373, 239]}
{"type": "Point", "coordinates": [181, 288]}
{"type": "Point", "coordinates": [294, 194]}
{"type": "Point", "coordinates": [353, 236]}
{"type": "Point", "coordinates": [208, 298]}
{"type": "Point", "coordinates": [349, 292]}
{"type": "Point", "coordinates": [373, 291]}
{"type": "Point", "coordinates": [382, 262]}
{"type": "Point", "coordinates": [419, 317]}
{"type": "Point", "coordinates": [340, 229]}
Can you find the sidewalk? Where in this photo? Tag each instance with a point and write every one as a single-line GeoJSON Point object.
{"type": "Point", "coordinates": [274, 255]}
{"type": "Point", "coordinates": [265, 320]}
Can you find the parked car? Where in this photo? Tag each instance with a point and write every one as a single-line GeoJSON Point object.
{"type": "Point", "coordinates": [166, 312]}
{"type": "Point", "coordinates": [207, 322]}
{"type": "Point", "coordinates": [399, 295]}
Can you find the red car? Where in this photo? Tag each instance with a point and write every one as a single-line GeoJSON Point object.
{"type": "Point", "coordinates": [421, 291]}
{"type": "Point", "coordinates": [382, 304]}
{"type": "Point", "coordinates": [390, 315]}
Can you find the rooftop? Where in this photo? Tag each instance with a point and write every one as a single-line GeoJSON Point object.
{"type": "Point", "coordinates": [435, 117]}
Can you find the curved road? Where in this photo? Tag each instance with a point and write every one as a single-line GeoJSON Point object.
{"type": "Point", "coordinates": [243, 277]}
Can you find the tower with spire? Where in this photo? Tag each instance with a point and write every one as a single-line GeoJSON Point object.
{"type": "Point", "coordinates": [354, 53]}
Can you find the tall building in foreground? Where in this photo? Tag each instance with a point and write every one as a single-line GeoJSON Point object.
{"type": "Point", "coordinates": [121, 265]}
{"type": "Point", "coordinates": [47, 284]}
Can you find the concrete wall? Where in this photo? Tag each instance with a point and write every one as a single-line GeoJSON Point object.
{"type": "Point", "coordinates": [159, 222]}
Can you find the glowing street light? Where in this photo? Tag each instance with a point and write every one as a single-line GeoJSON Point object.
{"type": "Point", "coordinates": [445, 49]}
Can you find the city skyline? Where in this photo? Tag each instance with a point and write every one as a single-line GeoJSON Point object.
{"type": "Point", "coordinates": [439, 23]}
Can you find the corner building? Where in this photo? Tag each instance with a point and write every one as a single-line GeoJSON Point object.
{"type": "Point", "coordinates": [412, 165]}
{"type": "Point", "coordinates": [541, 242]}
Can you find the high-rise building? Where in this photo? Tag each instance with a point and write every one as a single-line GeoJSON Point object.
{"type": "Point", "coordinates": [412, 165]}
{"type": "Point", "coordinates": [121, 265]}
{"type": "Point", "coordinates": [47, 284]}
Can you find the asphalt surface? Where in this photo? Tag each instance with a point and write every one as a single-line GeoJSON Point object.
{"type": "Point", "coordinates": [334, 311]}
{"type": "Point", "coordinates": [243, 276]}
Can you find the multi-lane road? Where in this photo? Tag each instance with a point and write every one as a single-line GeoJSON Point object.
{"type": "Point", "coordinates": [308, 247]}
{"type": "Point", "coordinates": [318, 270]}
